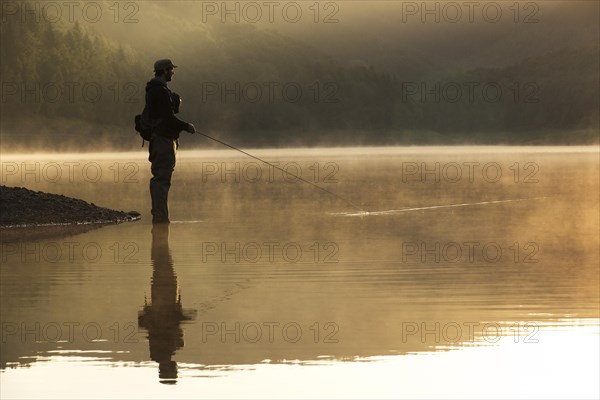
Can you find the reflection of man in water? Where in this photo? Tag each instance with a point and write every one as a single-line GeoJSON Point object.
{"type": "Point", "coordinates": [163, 316]}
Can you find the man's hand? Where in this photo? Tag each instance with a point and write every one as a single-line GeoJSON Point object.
{"type": "Point", "coordinates": [191, 128]}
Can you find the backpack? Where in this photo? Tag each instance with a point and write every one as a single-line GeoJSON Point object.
{"type": "Point", "coordinates": [145, 125]}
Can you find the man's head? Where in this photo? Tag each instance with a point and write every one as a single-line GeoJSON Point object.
{"type": "Point", "coordinates": [164, 68]}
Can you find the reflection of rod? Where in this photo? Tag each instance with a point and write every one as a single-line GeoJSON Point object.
{"type": "Point", "coordinates": [281, 169]}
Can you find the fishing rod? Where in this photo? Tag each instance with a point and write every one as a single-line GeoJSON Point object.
{"type": "Point", "coordinates": [281, 169]}
{"type": "Point", "coordinates": [362, 212]}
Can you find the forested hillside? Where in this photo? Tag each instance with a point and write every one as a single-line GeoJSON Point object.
{"type": "Point", "coordinates": [67, 84]}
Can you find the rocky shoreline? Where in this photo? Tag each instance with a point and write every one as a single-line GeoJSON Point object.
{"type": "Point", "coordinates": [24, 208]}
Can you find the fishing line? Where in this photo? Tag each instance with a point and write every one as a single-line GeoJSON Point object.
{"type": "Point", "coordinates": [388, 212]}
{"type": "Point", "coordinates": [281, 169]}
{"type": "Point", "coordinates": [361, 211]}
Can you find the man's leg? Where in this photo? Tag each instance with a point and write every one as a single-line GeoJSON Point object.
{"type": "Point", "coordinates": [162, 156]}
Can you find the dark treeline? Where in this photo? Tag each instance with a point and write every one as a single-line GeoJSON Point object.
{"type": "Point", "coordinates": [62, 83]}
{"type": "Point", "coordinates": [67, 84]}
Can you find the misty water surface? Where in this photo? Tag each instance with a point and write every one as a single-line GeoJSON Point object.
{"type": "Point", "coordinates": [473, 268]}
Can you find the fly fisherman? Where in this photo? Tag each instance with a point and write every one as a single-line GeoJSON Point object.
{"type": "Point", "coordinates": [162, 105]}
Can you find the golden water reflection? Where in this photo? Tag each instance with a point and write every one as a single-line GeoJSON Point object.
{"type": "Point", "coordinates": [270, 284]}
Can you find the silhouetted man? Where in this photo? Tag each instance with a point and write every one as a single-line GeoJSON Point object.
{"type": "Point", "coordinates": [162, 105]}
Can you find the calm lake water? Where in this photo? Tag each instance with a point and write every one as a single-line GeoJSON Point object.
{"type": "Point", "coordinates": [468, 272]}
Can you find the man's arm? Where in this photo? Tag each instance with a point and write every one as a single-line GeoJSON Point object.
{"type": "Point", "coordinates": [160, 107]}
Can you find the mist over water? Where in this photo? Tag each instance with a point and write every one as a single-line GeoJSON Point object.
{"type": "Point", "coordinates": [260, 272]}
{"type": "Point", "coordinates": [426, 226]}
{"type": "Point", "coordinates": [304, 74]}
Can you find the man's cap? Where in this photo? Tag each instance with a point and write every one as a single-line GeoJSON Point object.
{"type": "Point", "coordinates": [163, 64]}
